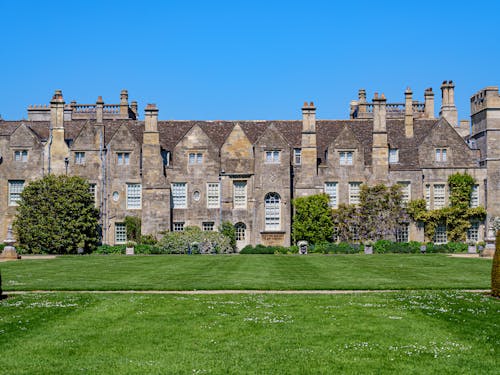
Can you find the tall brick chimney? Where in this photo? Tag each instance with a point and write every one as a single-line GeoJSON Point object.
{"type": "Point", "coordinates": [58, 151]}
{"type": "Point", "coordinates": [124, 103]}
{"type": "Point", "coordinates": [408, 113]}
{"type": "Point", "coordinates": [429, 103]}
{"type": "Point", "coordinates": [380, 148]}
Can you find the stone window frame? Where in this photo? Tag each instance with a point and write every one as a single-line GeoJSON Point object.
{"type": "Point", "coordinates": [208, 226]}
{"type": "Point", "coordinates": [195, 158]}
{"type": "Point", "coordinates": [178, 226]}
{"type": "Point", "coordinates": [346, 157]}
{"type": "Point", "coordinates": [272, 211]}
{"type": "Point", "coordinates": [393, 155]}
{"type": "Point", "coordinates": [93, 190]}
{"type": "Point", "coordinates": [241, 231]}
{"type": "Point", "coordinates": [427, 196]}
{"type": "Point", "coordinates": [179, 194]}
{"type": "Point", "coordinates": [240, 196]}
{"type": "Point", "coordinates": [331, 188]}
{"type": "Point", "coordinates": [123, 158]}
{"type": "Point", "coordinates": [474, 196]}
{"type": "Point", "coordinates": [213, 195]}
{"type": "Point", "coordinates": [21, 156]}
{"type": "Point", "coordinates": [134, 196]}
{"type": "Point", "coordinates": [16, 187]}
{"type": "Point", "coordinates": [120, 233]}
{"type": "Point", "coordinates": [440, 235]}
{"type": "Point", "coordinates": [439, 195]}
{"type": "Point", "coordinates": [473, 231]}
{"type": "Point", "coordinates": [441, 154]}
{"type": "Point", "coordinates": [354, 192]}
{"type": "Point", "coordinates": [402, 233]}
{"type": "Point", "coordinates": [297, 156]}
{"type": "Point", "coordinates": [79, 157]}
{"type": "Point", "coordinates": [405, 191]}
{"type": "Point", "coordinates": [272, 156]}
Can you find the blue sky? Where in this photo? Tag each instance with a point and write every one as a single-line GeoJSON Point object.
{"type": "Point", "coordinates": [244, 59]}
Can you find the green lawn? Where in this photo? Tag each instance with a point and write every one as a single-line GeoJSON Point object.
{"type": "Point", "coordinates": [391, 271]}
{"type": "Point", "coordinates": [423, 332]}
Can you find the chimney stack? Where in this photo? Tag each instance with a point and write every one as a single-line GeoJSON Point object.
{"type": "Point", "coordinates": [448, 108]}
{"type": "Point", "coordinates": [99, 108]}
{"type": "Point", "coordinates": [151, 134]}
{"type": "Point", "coordinates": [57, 149]}
{"type": "Point", "coordinates": [57, 110]}
{"type": "Point", "coordinates": [429, 103]}
{"type": "Point", "coordinates": [124, 103]}
{"type": "Point", "coordinates": [380, 148]}
{"type": "Point", "coordinates": [408, 113]}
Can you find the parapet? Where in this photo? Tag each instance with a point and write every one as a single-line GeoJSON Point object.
{"type": "Point", "coordinates": [485, 98]}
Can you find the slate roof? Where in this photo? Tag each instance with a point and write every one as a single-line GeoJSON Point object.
{"type": "Point", "coordinates": [171, 132]}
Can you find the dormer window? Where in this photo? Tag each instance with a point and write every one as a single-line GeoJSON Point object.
{"type": "Point", "coordinates": [195, 158]}
{"type": "Point", "coordinates": [393, 155]}
{"type": "Point", "coordinates": [441, 155]}
{"type": "Point", "coordinates": [346, 157]}
{"type": "Point", "coordinates": [273, 157]}
{"type": "Point", "coordinates": [123, 158]}
{"type": "Point", "coordinates": [21, 155]}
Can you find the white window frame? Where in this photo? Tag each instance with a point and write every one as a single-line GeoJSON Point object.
{"type": "Point", "coordinates": [134, 196]}
{"type": "Point", "coordinates": [439, 195]}
{"type": "Point", "coordinates": [272, 211]}
{"type": "Point", "coordinates": [402, 233]}
{"type": "Point", "coordinates": [272, 157]}
{"type": "Point", "coordinates": [21, 155]}
{"type": "Point", "coordinates": [440, 235]}
{"type": "Point", "coordinates": [213, 195]}
{"type": "Point", "coordinates": [241, 231]}
{"type": "Point", "coordinates": [354, 192]}
{"type": "Point", "coordinates": [332, 189]}
{"type": "Point", "coordinates": [427, 196]}
{"type": "Point", "coordinates": [93, 190]}
{"type": "Point", "coordinates": [393, 155]}
{"type": "Point", "coordinates": [123, 158]}
{"type": "Point", "coordinates": [405, 191]}
{"type": "Point", "coordinates": [16, 187]}
{"type": "Point", "coordinates": [473, 231]}
{"type": "Point", "coordinates": [79, 157]}
{"type": "Point", "coordinates": [178, 226]}
{"type": "Point", "coordinates": [474, 196]}
{"type": "Point", "coordinates": [208, 226]}
{"type": "Point", "coordinates": [297, 156]}
{"type": "Point", "coordinates": [195, 158]}
{"type": "Point", "coordinates": [240, 194]}
{"type": "Point", "coordinates": [120, 233]}
{"type": "Point", "coordinates": [179, 194]}
{"type": "Point", "coordinates": [346, 157]}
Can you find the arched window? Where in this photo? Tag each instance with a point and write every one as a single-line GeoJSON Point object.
{"type": "Point", "coordinates": [241, 231]}
{"type": "Point", "coordinates": [272, 211]}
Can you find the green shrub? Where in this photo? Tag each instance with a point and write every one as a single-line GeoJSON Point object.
{"type": "Point", "coordinates": [148, 239]}
{"type": "Point", "coordinates": [196, 241]}
{"type": "Point", "coordinates": [133, 228]}
{"type": "Point", "coordinates": [228, 230]}
{"type": "Point", "coordinates": [495, 270]}
{"type": "Point", "coordinates": [108, 249]}
{"type": "Point", "coordinates": [261, 249]}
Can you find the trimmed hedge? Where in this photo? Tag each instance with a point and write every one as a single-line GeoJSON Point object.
{"type": "Point", "coordinates": [495, 270]}
{"type": "Point", "coordinates": [261, 249]}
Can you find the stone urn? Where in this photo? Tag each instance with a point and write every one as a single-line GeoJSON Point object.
{"type": "Point", "coordinates": [9, 251]}
{"type": "Point", "coordinates": [130, 249]}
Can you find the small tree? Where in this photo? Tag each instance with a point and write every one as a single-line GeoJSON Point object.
{"type": "Point", "coordinates": [55, 215]}
{"type": "Point", "coordinates": [312, 220]}
{"type": "Point", "coordinates": [495, 271]}
{"type": "Point", "coordinates": [133, 228]}
{"type": "Point", "coordinates": [228, 230]}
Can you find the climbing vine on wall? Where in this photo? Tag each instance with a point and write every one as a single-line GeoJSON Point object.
{"type": "Point", "coordinates": [457, 216]}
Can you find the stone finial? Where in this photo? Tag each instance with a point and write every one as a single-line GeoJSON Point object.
{"type": "Point", "coordinates": [375, 95]}
{"type": "Point", "coordinates": [124, 96]}
{"type": "Point", "coordinates": [306, 105]}
{"type": "Point", "coordinates": [362, 95]}
{"type": "Point", "coordinates": [311, 104]}
{"type": "Point", "coordinates": [99, 100]}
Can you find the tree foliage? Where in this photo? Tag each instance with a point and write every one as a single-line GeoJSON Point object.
{"type": "Point", "coordinates": [228, 230]}
{"type": "Point", "coordinates": [194, 240]}
{"type": "Point", "coordinates": [133, 228]}
{"type": "Point", "coordinates": [378, 215]}
{"type": "Point", "coordinates": [57, 214]}
{"type": "Point", "coordinates": [312, 220]}
{"type": "Point", "coordinates": [495, 271]}
{"type": "Point", "coordinates": [457, 216]}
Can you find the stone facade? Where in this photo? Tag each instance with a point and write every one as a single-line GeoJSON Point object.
{"type": "Point", "coordinates": [174, 174]}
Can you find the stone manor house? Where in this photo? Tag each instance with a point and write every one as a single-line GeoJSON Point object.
{"type": "Point", "coordinates": [174, 174]}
